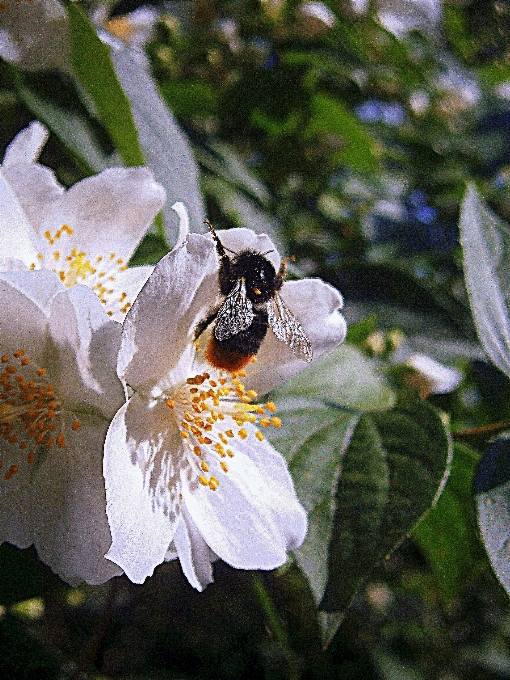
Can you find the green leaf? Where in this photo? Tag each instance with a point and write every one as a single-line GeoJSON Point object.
{"type": "Point", "coordinates": [222, 160]}
{"type": "Point", "coordinates": [314, 439]}
{"type": "Point", "coordinates": [242, 210]}
{"type": "Point", "coordinates": [357, 149]}
{"type": "Point", "coordinates": [492, 485]}
{"type": "Point", "coordinates": [93, 67]}
{"type": "Point", "coordinates": [64, 116]}
{"type": "Point", "coordinates": [447, 534]}
{"type": "Point", "coordinates": [392, 470]}
{"type": "Point", "coordinates": [365, 481]}
{"type": "Point", "coordinates": [359, 332]}
{"type": "Point", "coordinates": [344, 376]}
{"type": "Point", "coordinates": [486, 250]}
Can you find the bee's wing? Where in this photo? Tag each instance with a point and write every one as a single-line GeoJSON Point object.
{"type": "Point", "coordinates": [288, 329]}
{"type": "Point", "coordinates": [235, 313]}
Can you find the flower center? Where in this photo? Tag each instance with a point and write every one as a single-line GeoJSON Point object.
{"type": "Point", "coordinates": [74, 266]}
{"type": "Point", "coordinates": [30, 413]}
{"type": "Point", "coordinates": [211, 413]}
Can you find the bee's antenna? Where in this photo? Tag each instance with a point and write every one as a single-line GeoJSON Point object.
{"type": "Point", "coordinates": [219, 245]}
{"type": "Point", "coordinates": [283, 266]}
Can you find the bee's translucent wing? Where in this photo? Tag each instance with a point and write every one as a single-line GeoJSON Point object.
{"type": "Point", "coordinates": [288, 329]}
{"type": "Point", "coordinates": [235, 314]}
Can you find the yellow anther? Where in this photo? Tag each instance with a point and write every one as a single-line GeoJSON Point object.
{"type": "Point", "coordinates": [203, 480]}
{"type": "Point", "coordinates": [197, 450]}
{"type": "Point", "coordinates": [271, 406]}
{"type": "Point", "coordinates": [242, 433]}
{"type": "Point", "coordinates": [276, 422]}
{"type": "Point", "coordinates": [213, 483]}
{"type": "Point", "coordinates": [184, 435]}
{"type": "Point", "coordinates": [252, 394]}
{"type": "Point", "coordinates": [204, 466]}
{"type": "Point", "coordinates": [259, 435]}
{"type": "Point", "coordinates": [11, 471]}
{"type": "Point", "coordinates": [265, 422]}
{"type": "Point", "coordinates": [170, 403]}
{"type": "Point", "coordinates": [224, 466]}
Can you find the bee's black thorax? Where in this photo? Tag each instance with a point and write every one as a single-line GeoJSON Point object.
{"type": "Point", "coordinates": [260, 276]}
{"type": "Point", "coordinates": [248, 342]}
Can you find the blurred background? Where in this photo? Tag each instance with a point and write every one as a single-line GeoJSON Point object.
{"type": "Point", "coordinates": [347, 130]}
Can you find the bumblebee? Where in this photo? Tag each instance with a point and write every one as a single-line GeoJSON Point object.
{"type": "Point", "coordinates": [250, 286]}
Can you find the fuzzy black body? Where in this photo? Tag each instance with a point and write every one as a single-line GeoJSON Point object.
{"type": "Point", "coordinates": [257, 272]}
{"type": "Point", "coordinates": [250, 284]}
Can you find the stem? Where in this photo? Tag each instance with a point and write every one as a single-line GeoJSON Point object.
{"type": "Point", "coordinates": [486, 431]}
{"type": "Point", "coordinates": [275, 625]}
{"type": "Point", "coordinates": [92, 647]}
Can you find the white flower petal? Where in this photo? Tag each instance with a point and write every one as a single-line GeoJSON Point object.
{"type": "Point", "coordinates": [70, 526]}
{"type": "Point", "coordinates": [87, 342]}
{"type": "Point", "coordinates": [26, 147]}
{"type": "Point", "coordinates": [164, 145]}
{"type": "Point", "coordinates": [51, 488]}
{"type": "Point", "coordinates": [36, 188]}
{"type": "Point", "coordinates": [440, 378]}
{"type": "Point", "coordinates": [193, 552]}
{"type": "Point", "coordinates": [240, 239]}
{"type": "Point", "coordinates": [159, 325]}
{"type": "Point", "coordinates": [25, 299]}
{"type": "Point", "coordinates": [315, 304]}
{"type": "Point", "coordinates": [139, 507]}
{"type": "Point", "coordinates": [130, 282]}
{"type": "Point", "coordinates": [17, 238]}
{"type": "Point", "coordinates": [115, 208]}
{"type": "Point", "coordinates": [248, 503]}
{"type": "Point", "coordinates": [280, 493]}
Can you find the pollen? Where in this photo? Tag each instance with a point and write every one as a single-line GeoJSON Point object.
{"type": "Point", "coordinates": [30, 414]}
{"type": "Point", "coordinates": [213, 411]}
{"type": "Point", "coordinates": [74, 265]}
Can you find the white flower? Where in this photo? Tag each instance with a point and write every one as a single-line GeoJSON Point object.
{"type": "Point", "coordinates": [58, 393]}
{"type": "Point", "coordinates": [188, 471]}
{"type": "Point", "coordinates": [437, 378]}
{"type": "Point", "coordinates": [401, 16]}
{"type": "Point", "coordinates": [85, 234]}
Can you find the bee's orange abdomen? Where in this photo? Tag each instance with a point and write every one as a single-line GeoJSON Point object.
{"type": "Point", "coordinates": [225, 359]}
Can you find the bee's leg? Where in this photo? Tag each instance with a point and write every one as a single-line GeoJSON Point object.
{"type": "Point", "coordinates": [282, 272]}
{"type": "Point", "coordinates": [202, 325]}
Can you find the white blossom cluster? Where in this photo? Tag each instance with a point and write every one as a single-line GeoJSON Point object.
{"type": "Point", "coordinates": [120, 447]}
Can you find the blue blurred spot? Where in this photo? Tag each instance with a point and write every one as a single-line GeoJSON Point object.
{"type": "Point", "coordinates": [370, 111]}
{"type": "Point", "coordinates": [417, 198]}
{"type": "Point", "coordinates": [426, 214]}
{"type": "Point", "coordinates": [271, 61]}
{"type": "Point", "coordinates": [393, 114]}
